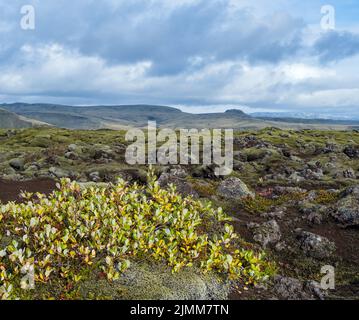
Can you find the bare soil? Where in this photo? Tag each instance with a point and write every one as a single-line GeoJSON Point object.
{"type": "Point", "coordinates": [11, 190]}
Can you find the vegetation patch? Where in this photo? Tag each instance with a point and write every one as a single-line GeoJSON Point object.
{"type": "Point", "coordinates": [260, 204]}
{"type": "Point", "coordinates": [325, 197]}
{"type": "Point", "coordinates": [204, 189]}
{"type": "Point", "coordinates": [77, 231]}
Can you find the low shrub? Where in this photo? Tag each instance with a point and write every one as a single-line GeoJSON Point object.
{"type": "Point", "coordinates": [62, 236]}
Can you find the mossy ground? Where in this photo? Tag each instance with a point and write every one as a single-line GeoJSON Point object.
{"type": "Point", "coordinates": [263, 163]}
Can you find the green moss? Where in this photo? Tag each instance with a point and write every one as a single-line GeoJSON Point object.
{"type": "Point", "coordinates": [204, 189]}
{"type": "Point", "coordinates": [257, 204]}
{"type": "Point", "coordinates": [260, 204]}
{"type": "Point", "coordinates": [325, 197]}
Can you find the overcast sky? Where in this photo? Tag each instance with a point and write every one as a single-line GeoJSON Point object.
{"type": "Point", "coordinates": [202, 54]}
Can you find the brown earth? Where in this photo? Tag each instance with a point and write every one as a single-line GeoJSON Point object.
{"type": "Point", "coordinates": [345, 260]}
{"type": "Point", "coordinates": [10, 190]}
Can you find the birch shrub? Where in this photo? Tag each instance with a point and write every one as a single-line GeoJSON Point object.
{"type": "Point", "coordinates": [75, 229]}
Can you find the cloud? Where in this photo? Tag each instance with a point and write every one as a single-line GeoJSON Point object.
{"type": "Point", "coordinates": [337, 45]}
{"type": "Point", "coordinates": [188, 52]}
{"type": "Point", "coordinates": [53, 68]}
{"type": "Point", "coordinates": [57, 71]}
{"type": "Point", "coordinates": [331, 98]}
{"type": "Point", "coordinates": [169, 35]}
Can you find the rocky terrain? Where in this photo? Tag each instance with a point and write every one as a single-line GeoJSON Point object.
{"type": "Point", "coordinates": [293, 193]}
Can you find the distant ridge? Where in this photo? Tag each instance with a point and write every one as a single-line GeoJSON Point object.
{"type": "Point", "coordinates": [121, 116]}
{"type": "Point", "coordinates": [10, 120]}
{"type": "Point", "coordinates": [237, 112]}
{"type": "Point", "coordinates": [125, 116]}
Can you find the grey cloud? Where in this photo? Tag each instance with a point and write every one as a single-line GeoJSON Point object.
{"type": "Point", "coordinates": [136, 30]}
{"type": "Point", "coordinates": [337, 45]}
{"type": "Point", "coordinates": [202, 51]}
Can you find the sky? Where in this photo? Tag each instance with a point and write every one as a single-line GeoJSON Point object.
{"type": "Point", "coordinates": [199, 55]}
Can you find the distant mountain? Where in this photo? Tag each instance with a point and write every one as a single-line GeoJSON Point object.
{"type": "Point", "coordinates": [237, 113]}
{"type": "Point", "coordinates": [307, 115]}
{"type": "Point", "coordinates": [305, 118]}
{"type": "Point", "coordinates": [10, 120]}
{"type": "Point", "coordinates": [125, 116]}
{"type": "Point", "coordinates": [117, 117]}
{"type": "Point", "coordinates": [283, 114]}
